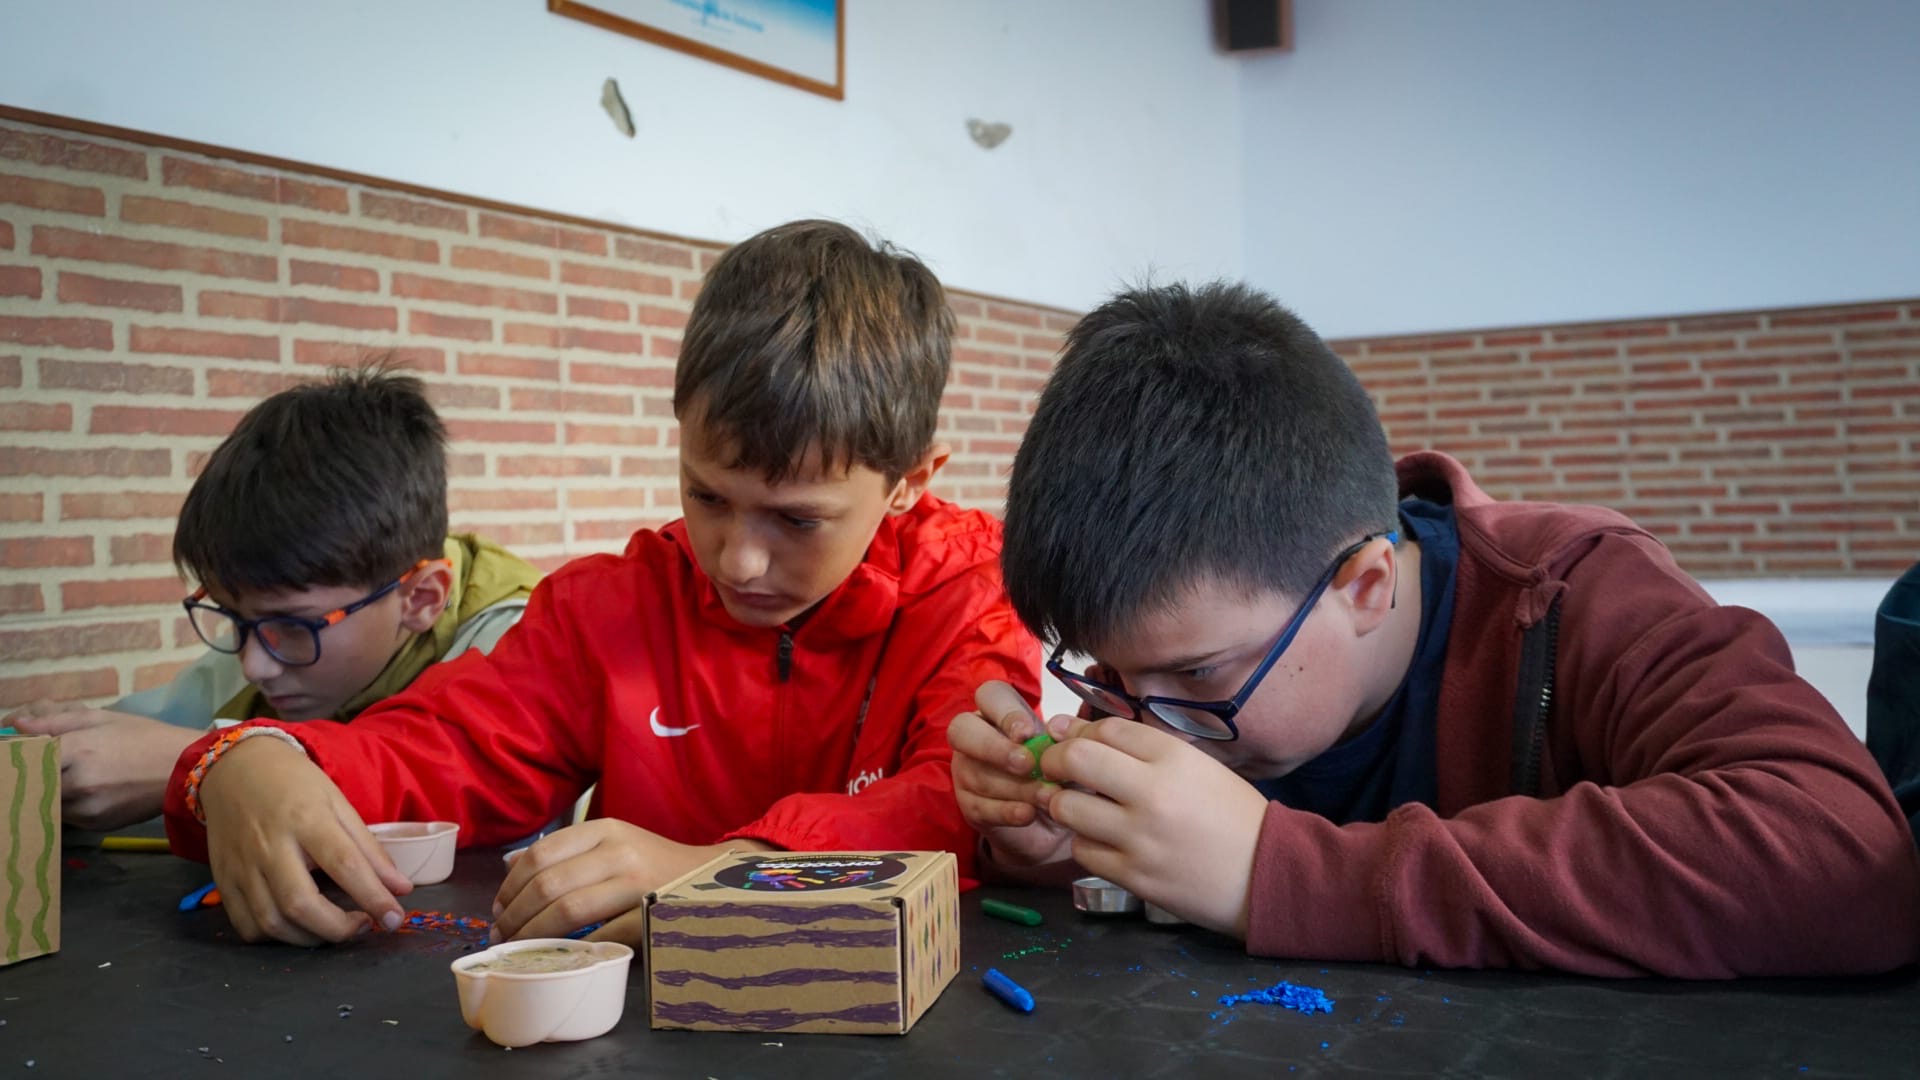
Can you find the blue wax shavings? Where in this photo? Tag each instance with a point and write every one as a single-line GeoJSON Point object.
{"type": "Point", "coordinates": [1306, 999]}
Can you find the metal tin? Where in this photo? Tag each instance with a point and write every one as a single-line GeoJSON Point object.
{"type": "Point", "coordinates": [1098, 896]}
{"type": "Point", "coordinates": [1163, 917]}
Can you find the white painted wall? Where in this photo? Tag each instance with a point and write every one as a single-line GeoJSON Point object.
{"type": "Point", "coordinates": [1417, 166]}
{"type": "Point", "coordinates": [1126, 149]}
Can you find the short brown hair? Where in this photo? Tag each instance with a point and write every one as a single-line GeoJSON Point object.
{"type": "Point", "coordinates": [809, 334]}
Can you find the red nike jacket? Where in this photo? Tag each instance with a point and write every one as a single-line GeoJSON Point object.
{"type": "Point", "coordinates": [628, 671]}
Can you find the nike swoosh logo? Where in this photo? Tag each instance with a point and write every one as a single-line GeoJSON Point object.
{"type": "Point", "coordinates": [653, 721]}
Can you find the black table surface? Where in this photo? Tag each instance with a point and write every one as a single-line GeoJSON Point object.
{"type": "Point", "coordinates": [140, 989]}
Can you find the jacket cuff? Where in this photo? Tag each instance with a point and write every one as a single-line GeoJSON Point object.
{"type": "Point", "coordinates": [1315, 892]}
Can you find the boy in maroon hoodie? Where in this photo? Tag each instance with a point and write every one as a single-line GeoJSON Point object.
{"type": "Point", "coordinates": [1383, 717]}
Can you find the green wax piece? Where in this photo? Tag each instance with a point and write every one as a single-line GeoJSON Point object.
{"type": "Point", "coordinates": [1037, 746]}
{"type": "Point", "coordinates": [1000, 909]}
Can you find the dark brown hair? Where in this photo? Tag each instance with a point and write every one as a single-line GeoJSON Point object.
{"type": "Point", "coordinates": [342, 481]}
{"type": "Point", "coordinates": [807, 334]}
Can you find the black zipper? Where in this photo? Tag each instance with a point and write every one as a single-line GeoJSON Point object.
{"type": "Point", "coordinates": [1534, 700]}
{"type": "Point", "coordinates": [783, 655]}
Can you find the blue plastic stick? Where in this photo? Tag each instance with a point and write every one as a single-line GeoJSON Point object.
{"type": "Point", "coordinates": [192, 899]}
{"type": "Point", "coordinates": [1007, 990]}
{"type": "Point", "coordinates": [584, 931]}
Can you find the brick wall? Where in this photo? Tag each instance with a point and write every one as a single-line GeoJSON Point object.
{"type": "Point", "coordinates": [149, 296]}
{"type": "Point", "coordinates": [1772, 443]}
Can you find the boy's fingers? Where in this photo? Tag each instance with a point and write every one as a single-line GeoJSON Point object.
{"type": "Point", "coordinates": [1086, 814]}
{"type": "Point", "coordinates": [994, 813]}
{"type": "Point", "coordinates": [336, 854]}
{"type": "Point", "coordinates": [1006, 710]}
{"type": "Point", "coordinates": [579, 907]}
{"type": "Point", "coordinates": [291, 909]}
{"type": "Point", "coordinates": [628, 929]}
{"type": "Point", "coordinates": [974, 738]}
{"type": "Point", "coordinates": [1137, 740]}
{"type": "Point", "coordinates": [549, 851]}
{"type": "Point", "coordinates": [1095, 764]}
{"type": "Point", "coordinates": [376, 856]}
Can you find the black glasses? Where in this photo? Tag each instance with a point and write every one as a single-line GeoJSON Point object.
{"type": "Point", "coordinates": [1205, 719]}
{"type": "Point", "coordinates": [290, 639]}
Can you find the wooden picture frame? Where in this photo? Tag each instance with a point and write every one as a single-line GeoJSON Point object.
{"type": "Point", "coordinates": [781, 40]}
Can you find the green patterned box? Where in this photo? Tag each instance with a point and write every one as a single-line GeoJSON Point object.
{"type": "Point", "coordinates": [30, 847]}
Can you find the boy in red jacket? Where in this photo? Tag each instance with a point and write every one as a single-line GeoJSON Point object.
{"type": "Point", "coordinates": [1386, 718]}
{"type": "Point", "coordinates": [774, 671]}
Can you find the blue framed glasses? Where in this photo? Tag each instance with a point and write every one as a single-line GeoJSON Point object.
{"type": "Point", "coordinates": [290, 639]}
{"type": "Point", "coordinates": [1206, 719]}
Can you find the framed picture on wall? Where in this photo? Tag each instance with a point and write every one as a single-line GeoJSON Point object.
{"type": "Point", "coordinates": [796, 42]}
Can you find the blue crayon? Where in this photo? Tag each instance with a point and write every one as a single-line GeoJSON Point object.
{"type": "Point", "coordinates": [584, 931]}
{"type": "Point", "coordinates": [1007, 990]}
{"type": "Point", "coordinates": [192, 899]}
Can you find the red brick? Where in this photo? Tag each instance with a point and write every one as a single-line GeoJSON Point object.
{"type": "Point", "coordinates": [461, 396]}
{"type": "Point", "coordinates": [62, 333]}
{"type": "Point", "coordinates": [1718, 324]}
{"type": "Point", "coordinates": [613, 434]}
{"type": "Point", "coordinates": [21, 600]}
{"type": "Point", "coordinates": [963, 355]}
{"type": "Point", "coordinates": [620, 375]}
{"type": "Point", "coordinates": [20, 281]}
{"type": "Point", "coordinates": [586, 243]}
{"type": "Point", "coordinates": [300, 309]}
{"type": "Point", "coordinates": [144, 420]}
{"type": "Point", "coordinates": [108, 377]}
{"type": "Point", "coordinates": [140, 548]}
{"type": "Point", "coordinates": [111, 292]}
{"type": "Point", "coordinates": [663, 348]}
{"type": "Point", "coordinates": [45, 551]}
{"type": "Point", "coordinates": [509, 431]}
{"type": "Point", "coordinates": [994, 335]}
{"type": "Point", "coordinates": [529, 334]}
{"type": "Point", "coordinates": [132, 592]}
{"type": "Point", "coordinates": [568, 401]}
{"type": "Point", "coordinates": [640, 249]}
{"type": "Point", "coordinates": [221, 179]}
{"type": "Point", "coordinates": [6, 235]}
{"type": "Point", "coordinates": [54, 642]}
{"type": "Point", "coordinates": [226, 382]}
{"type": "Point", "coordinates": [418, 286]}
{"type": "Point", "coordinates": [428, 324]}
{"type": "Point", "coordinates": [325, 197]}
{"type": "Point", "coordinates": [1017, 315]}
{"type": "Point", "coordinates": [334, 276]}
{"type": "Point", "coordinates": [462, 501]}
{"type": "Point", "coordinates": [77, 154]}
{"type": "Point", "coordinates": [22, 506]}
{"type": "Point", "coordinates": [148, 676]}
{"type": "Point", "coordinates": [156, 339]}
{"type": "Point", "coordinates": [615, 529]}
{"type": "Point", "coordinates": [553, 465]}
{"type": "Point", "coordinates": [52, 195]}
{"type": "Point", "coordinates": [33, 416]}
{"type": "Point", "coordinates": [607, 498]}
{"type": "Point", "coordinates": [511, 367]}
{"type": "Point", "coordinates": [501, 227]}
{"type": "Point", "coordinates": [119, 505]}
{"type": "Point", "coordinates": [1835, 317]}
{"type": "Point", "coordinates": [1788, 341]}
{"type": "Point", "coordinates": [607, 277]}
{"type": "Point", "coordinates": [577, 307]}
{"type": "Point", "coordinates": [1612, 331]}
{"type": "Point", "coordinates": [501, 262]}
{"type": "Point", "coordinates": [338, 354]}
{"type": "Point", "coordinates": [233, 305]}
{"type": "Point", "coordinates": [365, 241]}
{"type": "Point", "coordinates": [59, 686]}
{"type": "Point", "coordinates": [649, 466]}
{"type": "Point", "coordinates": [654, 315]}
{"type": "Point", "coordinates": [607, 341]}
{"type": "Point", "coordinates": [152, 254]}
{"type": "Point", "coordinates": [143, 210]}
{"type": "Point", "coordinates": [427, 215]}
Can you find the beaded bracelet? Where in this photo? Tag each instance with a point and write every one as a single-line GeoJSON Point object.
{"type": "Point", "coordinates": [228, 740]}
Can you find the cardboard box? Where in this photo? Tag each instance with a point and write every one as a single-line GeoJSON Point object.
{"type": "Point", "coordinates": [29, 847]}
{"type": "Point", "coordinates": [840, 942]}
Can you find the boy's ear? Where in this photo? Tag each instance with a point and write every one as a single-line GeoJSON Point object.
{"type": "Point", "coordinates": [424, 597]}
{"type": "Point", "coordinates": [1368, 582]}
{"type": "Point", "coordinates": [919, 478]}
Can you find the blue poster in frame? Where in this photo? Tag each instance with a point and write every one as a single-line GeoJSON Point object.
{"type": "Point", "coordinates": [796, 42]}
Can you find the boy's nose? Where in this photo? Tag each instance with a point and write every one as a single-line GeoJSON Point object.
{"type": "Point", "coordinates": [256, 663]}
{"type": "Point", "coordinates": [742, 561]}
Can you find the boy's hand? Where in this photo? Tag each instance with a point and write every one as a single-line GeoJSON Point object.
{"type": "Point", "coordinates": [1159, 817]}
{"type": "Point", "coordinates": [113, 766]}
{"type": "Point", "coordinates": [992, 780]}
{"type": "Point", "coordinates": [599, 871]}
{"type": "Point", "coordinates": [273, 816]}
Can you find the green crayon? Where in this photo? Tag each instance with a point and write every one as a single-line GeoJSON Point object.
{"type": "Point", "coordinates": [1000, 909]}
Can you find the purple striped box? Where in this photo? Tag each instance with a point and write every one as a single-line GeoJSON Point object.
{"type": "Point", "coordinates": [846, 942]}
